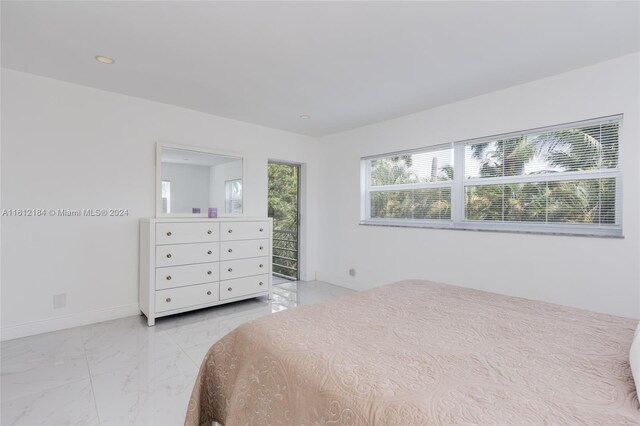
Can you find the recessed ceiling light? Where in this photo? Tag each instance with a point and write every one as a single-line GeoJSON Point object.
{"type": "Point", "coordinates": [104, 60]}
{"type": "Point", "coordinates": [305, 116]}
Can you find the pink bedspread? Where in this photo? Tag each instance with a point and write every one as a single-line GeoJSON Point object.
{"type": "Point", "coordinates": [418, 352]}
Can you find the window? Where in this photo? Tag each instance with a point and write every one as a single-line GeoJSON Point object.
{"type": "Point", "coordinates": [561, 179]}
{"type": "Point", "coordinates": [233, 196]}
{"type": "Point", "coordinates": [411, 185]}
{"type": "Point", "coordinates": [166, 196]}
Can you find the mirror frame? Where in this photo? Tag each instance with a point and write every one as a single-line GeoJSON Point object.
{"type": "Point", "coordinates": [160, 146]}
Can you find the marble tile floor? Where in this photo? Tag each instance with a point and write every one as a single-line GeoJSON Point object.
{"type": "Point", "coordinates": [122, 372]}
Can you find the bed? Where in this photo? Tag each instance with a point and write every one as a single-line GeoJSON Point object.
{"type": "Point", "coordinates": [418, 352]}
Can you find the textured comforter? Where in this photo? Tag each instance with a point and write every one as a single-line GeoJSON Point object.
{"type": "Point", "coordinates": [418, 352]}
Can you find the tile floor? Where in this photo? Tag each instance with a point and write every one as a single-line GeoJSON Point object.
{"type": "Point", "coordinates": [122, 372]}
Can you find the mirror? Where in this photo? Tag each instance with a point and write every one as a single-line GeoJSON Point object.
{"type": "Point", "coordinates": [191, 180]}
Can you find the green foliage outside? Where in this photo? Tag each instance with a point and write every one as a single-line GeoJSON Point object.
{"type": "Point", "coordinates": [283, 208]}
{"type": "Point", "coordinates": [569, 201]}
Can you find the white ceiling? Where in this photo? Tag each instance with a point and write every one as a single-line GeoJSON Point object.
{"type": "Point", "coordinates": [346, 64]}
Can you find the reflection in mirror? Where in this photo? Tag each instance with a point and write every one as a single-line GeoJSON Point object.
{"type": "Point", "coordinates": [233, 196]}
{"type": "Point", "coordinates": [192, 181]}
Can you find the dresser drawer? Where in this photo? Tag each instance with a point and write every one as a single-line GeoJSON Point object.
{"type": "Point", "coordinates": [243, 286]}
{"type": "Point", "coordinates": [244, 230]}
{"type": "Point", "coordinates": [184, 297]}
{"type": "Point", "coordinates": [177, 233]}
{"type": "Point", "coordinates": [179, 276]}
{"type": "Point", "coordinates": [242, 249]}
{"type": "Point", "coordinates": [230, 269]}
{"type": "Point", "coordinates": [183, 254]}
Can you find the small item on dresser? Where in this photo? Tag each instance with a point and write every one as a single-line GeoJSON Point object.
{"type": "Point", "coordinates": [195, 210]}
{"type": "Point", "coordinates": [213, 212]}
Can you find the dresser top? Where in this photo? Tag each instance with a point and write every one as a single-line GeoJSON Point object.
{"type": "Point", "coordinates": [202, 219]}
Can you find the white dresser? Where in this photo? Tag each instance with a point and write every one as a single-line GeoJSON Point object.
{"type": "Point", "coordinates": [188, 264]}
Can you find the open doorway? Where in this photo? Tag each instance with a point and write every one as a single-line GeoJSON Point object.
{"type": "Point", "coordinates": [284, 208]}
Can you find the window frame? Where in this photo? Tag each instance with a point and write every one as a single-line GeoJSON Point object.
{"type": "Point", "coordinates": [366, 164]}
{"type": "Point", "coordinates": [459, 184]}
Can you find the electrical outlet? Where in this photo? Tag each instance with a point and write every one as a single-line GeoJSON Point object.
{"type": "Point", "coordinates": [352, 272]}
{"type": "Point", "coordinates": [59, 300]}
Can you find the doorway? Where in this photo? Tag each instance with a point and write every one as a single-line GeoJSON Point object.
{"type": "Point", "coordinates": [284, 208]}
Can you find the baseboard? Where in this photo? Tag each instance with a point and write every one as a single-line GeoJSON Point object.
{"type": "Point", "coordinates": [67, 321]}
{"type": "Point", "coordinates": [350, 282]}
{"type": "Point", "coordinates": [335, 280]}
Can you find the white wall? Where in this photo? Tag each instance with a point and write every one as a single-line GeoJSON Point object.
{"type": "Point", "coordinates": [68, 146]}
{"type": "Point", "coordinates": [592, 273]}
{"type": "Point", "coordinates": [189, 186]}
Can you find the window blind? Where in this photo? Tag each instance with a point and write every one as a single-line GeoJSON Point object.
{"type": "Point", "coordinates": [560, 179]}
{"type": "Point", "coordinates": [411, 185]}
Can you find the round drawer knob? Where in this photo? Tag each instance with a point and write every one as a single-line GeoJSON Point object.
{"type": "Point", "coordinates": [209, 293]}
{"type": "Point", "coordinates": [260, 283]}
{"type": "Point", "coordinates": [230, 231]}
{"type": "Point", "coordinates": [208, 272]}
{"type": "Point", "coordinates": [230, 269]}
{"type": "Point", "coordinates": [261, 265]}
{"type": "Point", "coordinates": [261, 229]}
{"type": "Point", "coordinates": [169, 234]}
{"type": "Point", "coordinates": [261, 247]}
{"type": "Point", "coordinates": [229, 289]}
{"type": "Point", "coordinates": [168, 299]}
{"type": "Point", "coordinates": [168, 255]}
{"type": "Point", "coordinates": [209, 252]}
{"type": "Point", "coordinates": [209, 232]}
{"type": "Point", "coordinates": [168, 277]}
{"type": "Point", "coordinates": [230, 250]}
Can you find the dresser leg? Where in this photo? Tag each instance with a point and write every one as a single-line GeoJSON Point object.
{"type": "Point", "coordinates": [151, 321]}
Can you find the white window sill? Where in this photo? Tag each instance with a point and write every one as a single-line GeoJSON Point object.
{"type": "Point", "coordinates": [517, 228]}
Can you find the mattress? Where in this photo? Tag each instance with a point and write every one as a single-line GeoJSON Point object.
{"type": "Point", "coordinates": [418, 352]}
